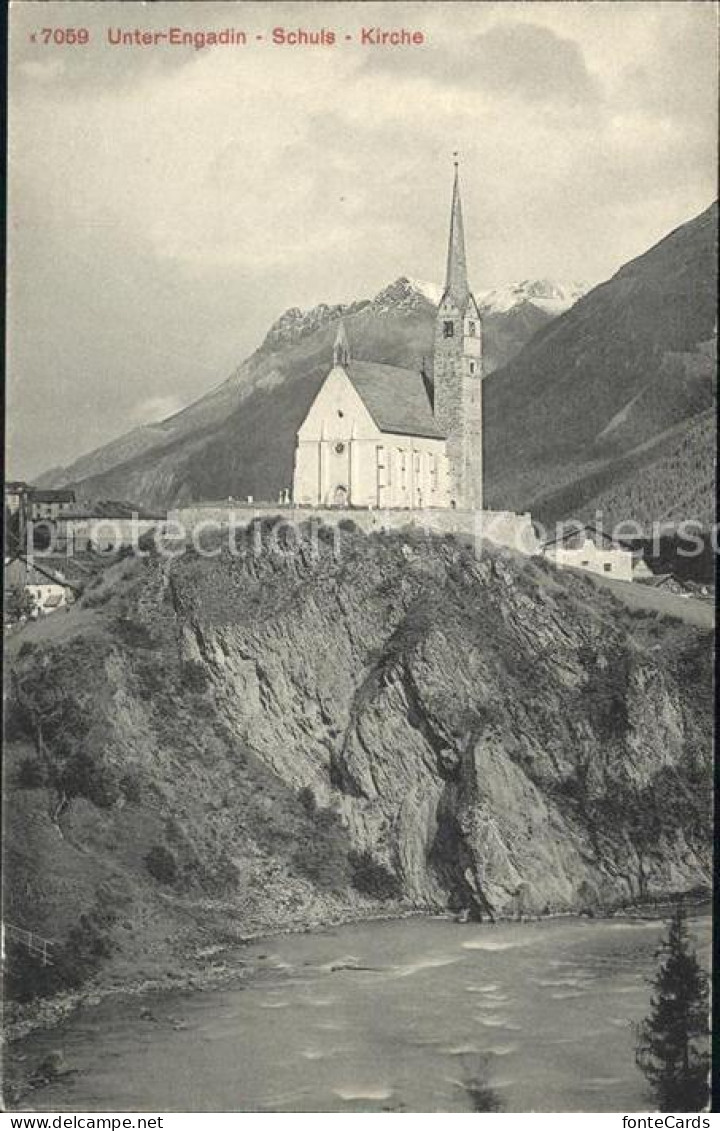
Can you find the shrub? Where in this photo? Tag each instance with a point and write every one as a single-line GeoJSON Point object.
{"type": "Point", "coordinates": [25, 976]}
{"type": "Point", "coordinates": [18, 724]}
{"type": "Point", "coordinates": [322, 855]}
{"type": "Point", "coordinates": [93, 600]}
{"type": "Point", "coordinates": [306, 797]}
{"type": "Point", "coordinates": [147, 542]}
{"type": "Point", "coordinates": [87, 945]}
{"type": "Point", "coordinates": [161, 864]}
{"type": "Point", "coordinates": [31, 774]}
{"type": "Point", "coordinates": [84, 775]}
{"type": "Point", "coordinates": [322, 863]}
{"type": "Point", "coordinates": [216, 878]}
{"type": "Point", "coordinates": [130, 786]}
{"type": "Point", "coordinates": [132, 633]}
{"type": "Point", "coordinates": [194, 676]}
{"type": "Point", "coordinates": [371, 877]}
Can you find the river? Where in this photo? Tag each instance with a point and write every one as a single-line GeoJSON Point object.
{"type": "Point", "coordinates": [391, 1016]}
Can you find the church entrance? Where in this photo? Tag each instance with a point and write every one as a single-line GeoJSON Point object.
{"type": "Point", "coordinates": [339, 497]}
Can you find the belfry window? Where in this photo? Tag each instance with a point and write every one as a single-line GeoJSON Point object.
{"type": "Point", "coordinates": [448, 329]}
{"type": "Point", "coordinates": [471, 329]}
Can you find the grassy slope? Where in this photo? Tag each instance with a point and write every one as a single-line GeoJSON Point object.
{"type": "Point", "coordinates": [670, 478]}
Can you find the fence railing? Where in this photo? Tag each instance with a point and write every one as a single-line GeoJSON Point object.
{"type": "Point", "coordinates": [34, 943]}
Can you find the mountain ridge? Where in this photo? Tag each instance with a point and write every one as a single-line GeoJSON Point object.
{"type": "Point", "coordinates": [631, 359]}
{"type": "Point", "coordinates": [402, 297]}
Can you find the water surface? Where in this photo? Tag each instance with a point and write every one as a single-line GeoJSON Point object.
{"type": "Point", "coordinates": [388, 1016]}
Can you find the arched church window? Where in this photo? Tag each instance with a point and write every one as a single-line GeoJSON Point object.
{"type": "Point", "coordinates": [448, 329]}
{"type": "Point", "coordinates": [471, 329]}
{"type": "Point", "coordinates": [472, 366]}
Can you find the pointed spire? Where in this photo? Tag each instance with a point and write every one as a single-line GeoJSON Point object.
{"type": "Point", "coordinates": [456, 280]}
{"type": "Point", "coordinates": [341, 349]}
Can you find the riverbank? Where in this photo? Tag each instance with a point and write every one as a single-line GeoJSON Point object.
{"type": "Point", "coordinates": [387, 1016]}
{"type": "Point", "coordinates": [22, 1020]}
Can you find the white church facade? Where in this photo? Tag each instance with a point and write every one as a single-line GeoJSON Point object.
{"type": "Point", "coordinates": [370, 439]}
{"type": "Point", "coordinates": [381, 436]}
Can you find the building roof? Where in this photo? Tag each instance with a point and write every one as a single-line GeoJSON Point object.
{"type": "Point", "coordinates": [396, 398]}
{"type": "Point", "coordinates": [38, 495]}
{"type": "Point", "coordinates": [667, 581]}
{"type": "Point", "coordinates": [117, 515]}
{"type": "Point", "coordinates": [23, 571]}
{"type": "Point", "coordinates": [456, 279]}
{"type": "Point", "coordinates": [575, 537]}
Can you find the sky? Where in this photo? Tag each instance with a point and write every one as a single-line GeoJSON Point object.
{"type": "Point", "coordinates": [167, 204]}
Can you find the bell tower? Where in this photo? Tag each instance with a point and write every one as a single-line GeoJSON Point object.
{"type": "Point", "coordinates": [457, 369]}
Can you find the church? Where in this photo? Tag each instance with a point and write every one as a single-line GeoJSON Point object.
{"type": "Point", "coordinates": [380, 436]}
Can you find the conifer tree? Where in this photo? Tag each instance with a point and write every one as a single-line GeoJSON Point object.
{"type": "Point", "coordinates": [672, 1043]}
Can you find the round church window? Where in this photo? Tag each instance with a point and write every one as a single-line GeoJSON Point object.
{"type": "Point", "coordinates": [339, 448]}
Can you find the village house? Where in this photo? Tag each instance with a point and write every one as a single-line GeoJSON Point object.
{"type": "Point", "coordinates": [48, 589]}
{"type": "Point", "coordinates": [669, 583]}
{"type": "Point", "coordinates": [46, 504]}
{"type": "Point", "coordinates": [591, 549]}
{"type": "Point", "coordinates": [43, 508]}
{"type": "Point", "coordinates": [16, 493]}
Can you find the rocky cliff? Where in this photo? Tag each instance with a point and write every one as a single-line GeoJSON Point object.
{"type": "Point", "coordinates": [312, 729]}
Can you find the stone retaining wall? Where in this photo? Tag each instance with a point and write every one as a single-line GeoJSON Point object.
{"type": "Point", "coordinates": [501, 527]}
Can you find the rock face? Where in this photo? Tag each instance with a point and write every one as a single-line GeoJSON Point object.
{"type": "Point", "coordinates": [253, 740]}
{"type": "Point", "coordinates": [466, 714]}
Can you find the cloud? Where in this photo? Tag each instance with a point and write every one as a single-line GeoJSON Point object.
{"type": "Point", "coordinates": [152, 410]}
{"type": "Point", "coordinates": [517, 60]}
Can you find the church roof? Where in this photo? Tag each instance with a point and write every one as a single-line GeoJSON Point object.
{"type": "Point", "coordinates": [395, 398]}
{"type": "Point", "coordinates": [456, 275]}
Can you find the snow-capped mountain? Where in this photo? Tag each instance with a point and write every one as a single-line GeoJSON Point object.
{"type": "Point", "coordinates": [547, 294]}
{"type": "Point", "coordinates": [406, 295]}
{"type": "Point", "coordinates": [552, 297]}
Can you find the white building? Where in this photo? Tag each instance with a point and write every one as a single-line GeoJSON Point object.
{"type": "Point", "coordinates": [47, 588]}
{"type": "Point", "coordinates": [586, 547]}
{"type": "Point", "coordinates": [370, 439]}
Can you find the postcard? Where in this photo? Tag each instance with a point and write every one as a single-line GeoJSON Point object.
{"type": "Point", "coordinates": [359, 559]}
